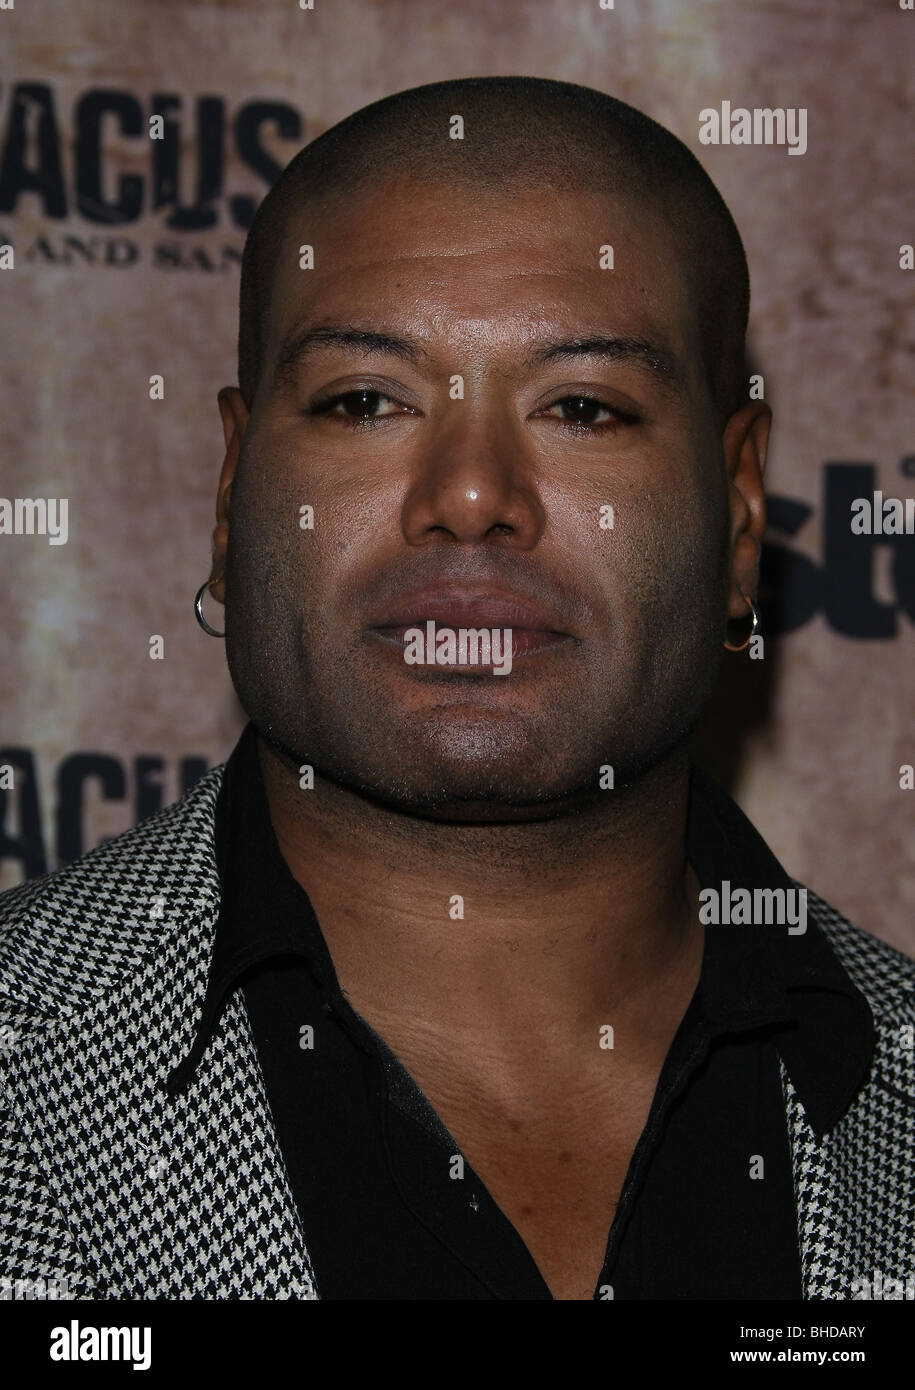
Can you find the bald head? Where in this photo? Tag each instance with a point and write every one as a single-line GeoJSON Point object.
{"type": "Point", "coordinates": [519, 133]}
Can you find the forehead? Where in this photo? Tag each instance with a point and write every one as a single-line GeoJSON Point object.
{"type": "Point", "coordinates": [484, 271]}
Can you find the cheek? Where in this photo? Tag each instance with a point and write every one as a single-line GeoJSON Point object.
{"type": "Point", "coordinates": [651, 526]}
{"type": "Point", "coordinates": [277, 519]}
{"type": "Point", "coordinates": [322, 504]}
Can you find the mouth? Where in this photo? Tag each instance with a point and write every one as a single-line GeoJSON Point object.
{"type": "Point", "coordinates": [516, 629]}
{"type": "Point", "coordinates": [522, 642]}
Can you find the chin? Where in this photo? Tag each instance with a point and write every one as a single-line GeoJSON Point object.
{"type": "Point", "coordinates": [493, 812]}
{"type": "Point", "coordinates": [448, 792]}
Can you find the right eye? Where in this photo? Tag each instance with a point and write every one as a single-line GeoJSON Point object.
{"type": "Point", "coordinates": [357, 408]}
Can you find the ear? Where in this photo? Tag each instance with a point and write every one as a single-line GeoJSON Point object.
{"type": "Point", "coordinates": [746, 440]}
{"type": "Point", "coordinates": [234, 415]}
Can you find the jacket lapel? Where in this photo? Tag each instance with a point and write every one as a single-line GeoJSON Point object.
{"type": "Point", "coordinates": [183, 1197]}
{"type": "Point", "coordinates": [854, 1185]}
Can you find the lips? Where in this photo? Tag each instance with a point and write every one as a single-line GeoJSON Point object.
{"type": "Point", "coordinates": [457, 608]}
{"type": "Point", "coordinates": [534, 626]}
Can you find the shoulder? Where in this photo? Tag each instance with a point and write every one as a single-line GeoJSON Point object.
{"type": "Point", "coordinates": [884, 975]}
{"type": "Point", "coordinates": [75, 931]}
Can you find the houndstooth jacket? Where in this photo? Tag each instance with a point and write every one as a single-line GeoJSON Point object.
{"type": "Point", "coordinates": [124, 1192]}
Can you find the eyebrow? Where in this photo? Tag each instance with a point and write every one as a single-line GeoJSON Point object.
{"type": "Point", "coordinates": [636, 352]}
{"type": "Point", "coordinates": [658, 361]}
{"type": "Point", "coordinates": [364, 340]}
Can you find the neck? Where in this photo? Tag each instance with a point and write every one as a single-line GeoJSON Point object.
{"type": "Point", "coordinates": [567, 923]}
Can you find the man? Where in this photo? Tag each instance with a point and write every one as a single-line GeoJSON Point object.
{"type": "Point", "coordinates": [424, 994]}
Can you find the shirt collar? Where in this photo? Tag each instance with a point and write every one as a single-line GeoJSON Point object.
{"type": "Point", "coordinates": [752, 976]}
{"type": "Point", "coordinates": [263, 912]}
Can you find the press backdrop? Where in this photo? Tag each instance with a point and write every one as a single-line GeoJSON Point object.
{"type": "Point", "coordinates": [126, 265]}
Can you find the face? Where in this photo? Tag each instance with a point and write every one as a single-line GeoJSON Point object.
{"type": "Point", "coordinates": [460, 466]}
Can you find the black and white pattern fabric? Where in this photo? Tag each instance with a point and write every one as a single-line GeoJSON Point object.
{"type": "Point", "coordinates": [123, 1192]}
{"type": "Point", "coordinates": [106, 1181]}
{"type": "Point", "coordinates": [855, 1189]}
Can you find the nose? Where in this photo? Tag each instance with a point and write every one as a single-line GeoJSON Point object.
{"type": "Point", "coordinates": [475, 483]}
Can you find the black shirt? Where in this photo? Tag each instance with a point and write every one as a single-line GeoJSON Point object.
{"type": "Point", "coordinates": [707, 1209]}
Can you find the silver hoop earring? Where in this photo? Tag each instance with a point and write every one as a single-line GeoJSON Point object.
{"type": "Point", "coordinates": [198, 612]}
{"type": "Point", "coordinates": [752, 633]}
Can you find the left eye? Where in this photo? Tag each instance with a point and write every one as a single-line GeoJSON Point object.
{"type": "Point", "coordinates": [584, 410]}
{"type": "Point", "coordinates": [360, 405]}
